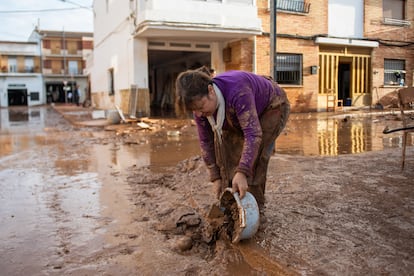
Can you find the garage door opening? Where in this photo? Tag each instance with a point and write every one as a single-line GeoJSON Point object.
{"type": "Point", "coordinates": [164, 67]}
{"type": "Point", "coordinates": [57, 92]}
{"type": "Point", "coordinates": [17, 97]}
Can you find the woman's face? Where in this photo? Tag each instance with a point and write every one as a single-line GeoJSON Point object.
{"type": "Point", "coordinates": [207, 105]}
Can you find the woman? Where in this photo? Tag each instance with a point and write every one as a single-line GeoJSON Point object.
{"type": "Point", "coordinates": [238, 115]}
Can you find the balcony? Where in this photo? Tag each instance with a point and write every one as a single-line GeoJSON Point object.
{"type": "Point", "coordinates": [199, 20]}
{"type": "Point", "coordinates": [61, 52]}
{"type": "Point", "coordinates": [14, 70]}
{"type": "Point", "coordinates": [296, 6]}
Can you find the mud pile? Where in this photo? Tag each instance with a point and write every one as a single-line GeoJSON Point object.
{"type": "Point", "coordinates": [179, 204]}
{"type": "Point", "coordinates": [193, 219]}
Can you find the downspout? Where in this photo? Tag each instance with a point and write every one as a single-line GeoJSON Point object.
{"type": "Point", "coordinates": [254, 54]}
{"type": "Point", "coordinates": [273, 48]}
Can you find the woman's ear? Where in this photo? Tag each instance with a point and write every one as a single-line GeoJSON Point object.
{"type": "Point", "coordinates": [211, 90]}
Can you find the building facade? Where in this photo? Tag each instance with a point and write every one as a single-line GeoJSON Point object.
{"type": "Point", "coordinates": [351, 52]}
{"type": "Point", "coordinates": [20, 74]}
{"type": "Point", "coordinates": [63, 55]}
{"type": "Point", "coordinates": [141, 46]}
{"type": "Point", "coordinates": [328, 53]}
{"type": "Point", "coordinates": [46, 68]}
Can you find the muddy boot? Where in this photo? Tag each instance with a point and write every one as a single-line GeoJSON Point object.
{"type": "Point", "coordinates": [262, 219]}
{"type": "Point", "coordinates": [258, 194]}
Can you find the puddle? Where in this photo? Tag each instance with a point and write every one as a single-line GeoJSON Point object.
{"type": "Point", "coordinates": [313, 134]}
{"type": "Point", "coordinates": [67, 208]}
{"type": "Point", "coordinates": [326, 135]}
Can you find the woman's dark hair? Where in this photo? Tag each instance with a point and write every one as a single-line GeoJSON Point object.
{"type": "Point", "coordinates": [190, 85]}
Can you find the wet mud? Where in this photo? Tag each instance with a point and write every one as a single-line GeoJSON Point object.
{"type": "Point", "coordinates": [124, 200]}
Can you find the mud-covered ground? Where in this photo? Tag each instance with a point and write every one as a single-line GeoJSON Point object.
{"type": "Point", "coordinates": [337, 215]}
{"type": "Point", "coordinates": [322, 219]}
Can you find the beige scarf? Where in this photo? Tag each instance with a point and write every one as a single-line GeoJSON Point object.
{"type": "Point", "coordinates": [218, 125]}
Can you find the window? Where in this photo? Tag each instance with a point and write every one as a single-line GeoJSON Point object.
{"type": "Point", "coordinates": [300, 6]}
{"type": "Point", "coordinates": [289, 69]}
{"type": "Point", "coordinates": [394, 72]}
{"type": "Point", "coordinates": [394, 9]}
{"type": "Point", "coordinates": [47, 64]}
{"type": "Point", "coordinates": [28, 65]}
{"type": "Point", "coordinates": [34, 96]}
{"type": "Point", "coordinates": [12, 65]}
{"type": "Point", "coordinates": [73, 67]}
{"type": "Point", "coordinates": [46, 44]}
{"type": "Point", "coordinates": [394, 13]}
{"type": "Point", "coordinates": [111, 85]}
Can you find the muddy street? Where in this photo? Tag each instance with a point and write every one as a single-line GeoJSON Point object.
{"type": "Point", "coordinates": [79, 199]}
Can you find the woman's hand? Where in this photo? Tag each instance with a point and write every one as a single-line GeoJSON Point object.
{"type": "Point", "coordinates": [217, 188]}
{"type": "Point", "coordinates": [239, 184]}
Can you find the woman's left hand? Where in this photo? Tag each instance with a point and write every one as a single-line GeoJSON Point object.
{"type": "Point", "coordinates": [239, 184]}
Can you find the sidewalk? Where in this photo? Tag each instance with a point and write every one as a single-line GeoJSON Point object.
{"type": "Point", "coordinates": [80, 116]}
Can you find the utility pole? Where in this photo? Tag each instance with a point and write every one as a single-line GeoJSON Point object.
{"type": "Point", "coordinates": [273, 50]}
{"type": "Point", "coordinates": [65, 82]}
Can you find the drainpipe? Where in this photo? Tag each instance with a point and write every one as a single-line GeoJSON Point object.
{"type": "Point", "coordinates": [254, 55]}
{"type": "Point", "coordinates": [64, 64]}
{"type": "Point", "coordinates": [273, 50]}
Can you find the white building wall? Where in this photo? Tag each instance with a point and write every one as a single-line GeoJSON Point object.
{"type": "Point", "coordinates": [225, 15]}
{"type": "Point", "coordinates": [30, 83]}
{"type": "Point", "coordinates": [139, 74]}
{"type": "Point", "coordinates": [123, 29]}
{"type": "Point", "coordinates": [21, 49]}
{"type": "Point", "coordinates": [3, 95]}
{"type": "Point", "coordinates": [115, 48]}
{"type": "Point", "coordinates": [346, 18]}
{"type": "Point", "coordinates": [114, 54]}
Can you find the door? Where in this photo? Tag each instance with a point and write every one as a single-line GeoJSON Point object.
{"type": "Point", "coordinates": [17, 97]}
{"type": "Point", "coordinates": [344, 82]}
{"type": "Point", "coordinates": [346, 76]}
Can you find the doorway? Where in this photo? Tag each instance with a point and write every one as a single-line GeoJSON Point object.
{"type": "Point", "coordinates": [163, 68]}
{"type": "Point", "coordinates": [57, 92]}
{"type": "Point", "coordinates": [17, 97]}
{"type": "Point", "coordinates": [344, 94]}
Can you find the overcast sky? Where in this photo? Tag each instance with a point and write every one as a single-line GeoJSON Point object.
{"type": "Point", "coordinates": [18, 18]}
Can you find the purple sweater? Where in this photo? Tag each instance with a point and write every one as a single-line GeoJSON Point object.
{"type": "Point", "coordinates": [246, 96]}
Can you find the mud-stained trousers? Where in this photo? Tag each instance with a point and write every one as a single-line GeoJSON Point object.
{"type": "Point", "coordinates": [272, 121]}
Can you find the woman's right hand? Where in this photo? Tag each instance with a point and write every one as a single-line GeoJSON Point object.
{"type": "Point", "coordinates": [217, 188]}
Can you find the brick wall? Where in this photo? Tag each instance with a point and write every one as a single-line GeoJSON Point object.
{"type": "Point", "coordinates": [395, 42]}
{"type": "Point", "coordinates": [296, 34]}
{"type": "Point", "coordinates": [241, 55]}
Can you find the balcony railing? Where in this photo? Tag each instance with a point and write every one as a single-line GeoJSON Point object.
{"type": "Point", "coordinates": [29, 69]}
{"type": "Point", "coordinates": [15, 69]}
{"type": "Point", "coordinates": [293, 6]}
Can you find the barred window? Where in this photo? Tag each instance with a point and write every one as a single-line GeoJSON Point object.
{"type": "Point", "coordinates": [289, 68]}
{"type": "Point", "coordinates": [300, 6]}
{"type": "Point", "coordinates": [394, 71]}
